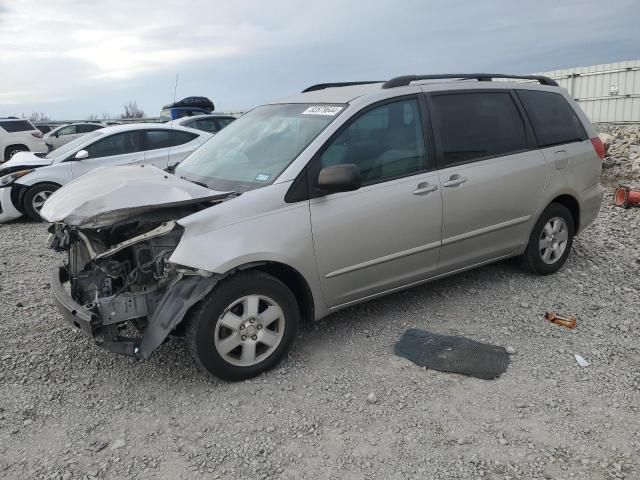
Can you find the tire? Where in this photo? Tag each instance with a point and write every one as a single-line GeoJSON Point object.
{"type": "Point", "coordinates": [35, 197]}
{"type": "Point", "coordinates": [543, 260]}
{"type": "Point", "coordinates": [225, 315]}
{"type": "Point", "coordinates": [11, 150]}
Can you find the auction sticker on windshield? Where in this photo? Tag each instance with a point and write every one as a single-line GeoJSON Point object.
{"type": "Point", "coordinates": [322, 110]}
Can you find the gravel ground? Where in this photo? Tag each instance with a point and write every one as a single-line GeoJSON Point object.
{"type": "Point", "coordinates": [342, 405]}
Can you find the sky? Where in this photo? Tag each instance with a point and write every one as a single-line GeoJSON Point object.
{"type": "Point", "coordinates": [70, 59]}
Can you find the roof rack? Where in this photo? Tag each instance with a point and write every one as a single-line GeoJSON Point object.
{"type": "Point", "coordinates": [322, 86]}
{"type": "Point", "coordinates": [481, 77]}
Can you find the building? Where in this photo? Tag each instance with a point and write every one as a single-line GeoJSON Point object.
{"type": "Point", "coordinates": [606, 93]}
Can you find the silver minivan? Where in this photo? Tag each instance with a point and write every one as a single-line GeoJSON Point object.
{"type": "Point", "coordinates": [310, 204]}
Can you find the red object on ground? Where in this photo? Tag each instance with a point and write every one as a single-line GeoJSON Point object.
{"type": "Point", "coordinates": [626, 197]}
{"type": "Point", "coordinates": [599, 147]}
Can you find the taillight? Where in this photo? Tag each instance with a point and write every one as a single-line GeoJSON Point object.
{"type": "Point", "coordinates": [37, 134]}
{"type": "Point", "coordinates": [598, 146]}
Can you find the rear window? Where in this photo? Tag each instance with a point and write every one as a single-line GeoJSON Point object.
{"type": "Point", "coordinates": [16, 125]}
{"type": "Point", "coordinates": [472, 126]}
{"type": "Point", "coordinates": [554, 121]}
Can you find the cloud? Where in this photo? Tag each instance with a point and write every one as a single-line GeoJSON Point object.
{"type": "Point", "coordinates": [85, 57]}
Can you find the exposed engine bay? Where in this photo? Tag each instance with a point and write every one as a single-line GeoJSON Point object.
{"type": "Point", "coordinates": [121, 277]}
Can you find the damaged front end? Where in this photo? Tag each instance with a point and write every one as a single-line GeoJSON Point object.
{"type": "Point", "coordinates": [118, 286]}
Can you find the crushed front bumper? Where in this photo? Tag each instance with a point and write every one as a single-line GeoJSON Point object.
{"type": "Point", "coordinates": [85, 320]}
{"type": "Point", "coordinates": [73, 313]}
{"type": "Point", "coordinates": [169, 312]}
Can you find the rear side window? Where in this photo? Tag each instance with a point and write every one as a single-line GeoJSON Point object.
{"type": "Point", "coordinates": [157, 139]}
{"type": "Point", "coordinates": [207, 124]}
{"type": "Point", "coordinates": [223, 122]}
{"type": "Point", "coordinates": [554, 121]}
{"type": "Point", "coordinates": [16, 126]}
{"type": "Point", "coordinates": [179, 137]}
{"type": "Point", "coordinates": [472, 126]}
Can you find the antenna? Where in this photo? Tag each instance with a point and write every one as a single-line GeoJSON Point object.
{"type": "Point", "coordinates": [171, 168]}
{"type": "Point", "coordinates": [175, 89]}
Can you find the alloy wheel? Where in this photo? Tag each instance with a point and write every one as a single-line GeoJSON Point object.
{"type": "Point", "coordinates": [39, 199]}
{"type": "Point", "coordinates": [553, 240]}
{"type": "Point", "coordinates": [249, 330]}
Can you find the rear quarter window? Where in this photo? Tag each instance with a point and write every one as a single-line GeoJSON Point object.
{"type": "Point", "coordinates": [179, 137]}
{"type": "Point", "coordinates": [13, 126]}
{"type": "Point", "coordinates": [553, 120]}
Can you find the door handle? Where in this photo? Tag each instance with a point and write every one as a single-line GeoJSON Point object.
{"type": "Point", "coordinates": [424, 188]}
{"type": "Point", "coordinates": [454, 181]}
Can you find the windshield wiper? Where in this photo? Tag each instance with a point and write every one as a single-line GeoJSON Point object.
{"type": "Point", "coordinates": [202, 184]}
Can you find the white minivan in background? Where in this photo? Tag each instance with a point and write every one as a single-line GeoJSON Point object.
{"type": "Point", "coordinates": [19, 135]}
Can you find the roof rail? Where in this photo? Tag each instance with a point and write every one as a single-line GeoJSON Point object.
{"type": "Point", "coordinates": [322, 86]}
{"type": "Point", "coordinates": [481, 77]}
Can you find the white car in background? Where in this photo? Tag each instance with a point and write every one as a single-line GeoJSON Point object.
{"type": "Point", "coordinates": [28, 179]}
{"type": "Point", "coordinates": [65, 133]}
{"type": "Point", "coordinates": [19, 135]}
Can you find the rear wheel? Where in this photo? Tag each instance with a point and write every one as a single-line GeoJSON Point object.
{"type": "Point", "coordinates": [550, 241]}
{"type": "Point", "coordinates": [245, 326]}
{"type": "Point", "coordinates": [35, 197]}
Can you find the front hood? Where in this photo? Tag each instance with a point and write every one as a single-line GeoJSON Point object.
{"type": "Point", "coordinates": [114, 194]}
{"type": "Point", "coordinates": [26, 160]}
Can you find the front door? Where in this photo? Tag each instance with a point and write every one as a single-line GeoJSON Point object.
{"type": "Point", "coordinates": [492, 176]}
{"type": "Point", "coordinates": [385, 235]}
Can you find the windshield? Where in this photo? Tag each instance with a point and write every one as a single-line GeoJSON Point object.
{"type": "Point", "coordinates": [254, 149]}
{"type": "Point", "coordinates": [69, 147]}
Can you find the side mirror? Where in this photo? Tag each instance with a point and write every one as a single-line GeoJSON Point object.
{"type": "Point", "coordinates": [340, 178]}
{"type": "Point", "coordinates": [81, 155]}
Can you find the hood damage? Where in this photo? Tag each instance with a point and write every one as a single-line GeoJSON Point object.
{"type": "Point", "coordinates": [112, 195]}
{"type": "Point", "coordinates": [117, 284]}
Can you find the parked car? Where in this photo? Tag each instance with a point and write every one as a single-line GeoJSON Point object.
{"type": "Point", "coordinates": [187, 107]}
{"type": "Point", "coordinates": [321, 201]}
{"type": "Point", "coordinates": [27, 180]}
{"type": "Point", "coordinates": [209, 123]}
{"type": "Point", "coordinates": [65, 133]}
{"type": "Point", "coordinates": [19, 135]}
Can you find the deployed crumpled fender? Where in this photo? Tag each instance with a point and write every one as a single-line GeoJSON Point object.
{"type": "Point", "coordinates": [172, 308]}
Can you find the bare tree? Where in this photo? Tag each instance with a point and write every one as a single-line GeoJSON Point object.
{"type": "Point", "coordinates": [37, 117]}
{"type": "Point", "coordinates": [131, 110]}
{"type": "Point", "coordinates": [93, 117]}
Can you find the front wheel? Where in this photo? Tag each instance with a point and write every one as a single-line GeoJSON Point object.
{"type": "Point", "coordinates": [245, 326]}
{"type": "Point", "coordinates": [35, 197]}
{"type": "Point", "coordinates": [550, 241]}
